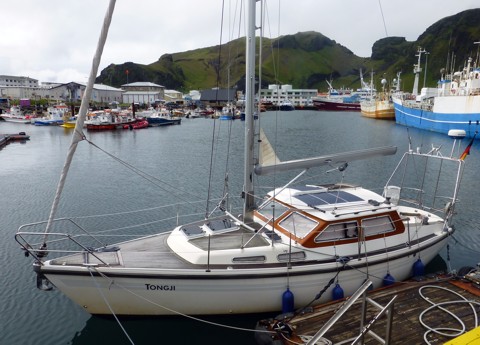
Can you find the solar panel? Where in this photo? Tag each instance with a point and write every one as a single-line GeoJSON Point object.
{"type": "Point", "coordinates": [327, 198]}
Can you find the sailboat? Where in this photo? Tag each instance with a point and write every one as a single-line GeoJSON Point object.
{"type": "Point", "coordinates": [298, 246]}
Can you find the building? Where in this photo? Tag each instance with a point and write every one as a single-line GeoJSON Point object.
{"type": "Point", "coordinates": [143, 93]}
{"type": "Point", "coordinates": [12, 87]}
{"type": "Point", "coordinates": [73, 92]}
{"type": "Point", "coordinates": [173, 96]}
{"type": "Point", "coordinates": [9, 80]}
{"type": "Point", "coordinates": [277, 94]}
{"type": "Point", "coordinates": [218, 97]}
{"type": "Point", "coordinates": [57, 92]}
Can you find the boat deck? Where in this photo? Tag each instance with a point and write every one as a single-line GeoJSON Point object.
{"type": "Point", "coordinates": [150, 252]}
{"type": "Point", "coordinates": [153, 252]}
{"type": "Point", "coordinates": [408, 305]}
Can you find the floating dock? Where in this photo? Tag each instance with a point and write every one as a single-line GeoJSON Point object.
{"type": "Point", "coordinates": [6, 138]}
{"type": "Point", "coordinates": [437, 309]}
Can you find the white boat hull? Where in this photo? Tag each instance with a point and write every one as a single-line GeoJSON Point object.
{"type": "Point", "coordinates": [16, 119]}
{"type": "Point", "coordinates": [230, 291]}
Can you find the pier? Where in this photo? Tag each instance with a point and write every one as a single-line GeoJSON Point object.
{"type": "Point", "coordinates": [437, 309]}
{"type": "Point", "coordinates": [7, 138]}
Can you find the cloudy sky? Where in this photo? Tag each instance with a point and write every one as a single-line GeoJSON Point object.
{"type": "Point", "coordinates": [54, 40]}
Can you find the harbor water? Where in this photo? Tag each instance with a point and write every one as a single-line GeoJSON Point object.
{"type": "Point", "coordinates": [130, 170]}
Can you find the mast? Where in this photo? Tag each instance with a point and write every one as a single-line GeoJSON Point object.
{"type": "Point", "coordinates": [371, 86]}
{"type": "Point", "coordinates": [398, 82]}
{"type": "Point", "coordinates": [249, 105]}
{"type": "Point", "coordinates": [260, 44]}
{"type": "Point", "coordinates": [417, 69]}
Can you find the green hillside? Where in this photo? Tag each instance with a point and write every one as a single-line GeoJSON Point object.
{"type": "Point", "coordinates": [307, 59]}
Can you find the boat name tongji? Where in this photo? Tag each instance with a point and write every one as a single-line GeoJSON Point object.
{"type": "Point", "coordinates": [160, 287]}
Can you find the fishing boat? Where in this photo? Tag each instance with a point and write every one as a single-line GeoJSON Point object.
{"type": "Point", "coordinates": [380, 106]}
{"type": "Point", "coordinates": [227, 112]}
{"type": "Point", "coordinates": [344, 100]}
{"type": "Point", "coordinates": [162, 118]}
{"type": "Point", "coordinates": [102, 120]}
{"type": "Point", "coordinates": [342, 104]}
{"type": "Point", "coordinates": [15, 114]}
{"type": "Point", "coordinates": [54, 117]}
{"type": "Point", "coordinates": [454, 104]}
{"type": "Point", "coordinates": [337, 100]}
{"type": "Point", "coordinates": [277, 255]}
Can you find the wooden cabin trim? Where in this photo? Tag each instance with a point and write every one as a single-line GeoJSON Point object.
{"type": "Point", "coordinates": [309, 240]}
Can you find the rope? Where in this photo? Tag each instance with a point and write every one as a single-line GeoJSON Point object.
{"type": "Point", "coordinates": [109, 306]}
{"type": "Point", "coordinates": [173, 311]}
{"type": "Point", "coordinates": [453, 332]}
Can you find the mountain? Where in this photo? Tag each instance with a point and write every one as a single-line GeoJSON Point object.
{"type": "Point", "coordinates": [307, 59]}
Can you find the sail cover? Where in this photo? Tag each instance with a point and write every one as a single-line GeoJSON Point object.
{"type": "Point", "coordinates": [331, 160]}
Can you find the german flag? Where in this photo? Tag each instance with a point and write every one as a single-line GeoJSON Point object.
{"type": "Point", "coordinates": [467, 149]}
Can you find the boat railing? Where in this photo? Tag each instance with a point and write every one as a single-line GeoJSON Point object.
{"type": "Point", "coordinates": [427, 181]}
{"type": "Point", "coordinates": [39, 253]}
{"type": "Point", "coordinates": [76, 240]}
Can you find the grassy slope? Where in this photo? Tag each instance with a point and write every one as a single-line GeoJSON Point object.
{"type": "Point", "coordinates": [307, 59]}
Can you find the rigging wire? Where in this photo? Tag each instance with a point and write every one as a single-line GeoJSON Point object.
{"type": "Point", "coordinates": [274, 55]}
{"type": "Point", "coordinates": [109, 306]}
{"type": "Point", "coordinates": [210, 174]}
{"type": "Point", "coordinates": [78, 135]}
{"type": "Point", "coordinates": [150, 178]}
{"type": "Point", "coordinates": [176, 312]}
{"type": "Point", "coordinates": [383, 17]}
{"type": "Point", "coordinates": [215, 139]}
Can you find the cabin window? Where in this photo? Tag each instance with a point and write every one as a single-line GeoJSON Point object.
{"type": "Point", "coordinates": [338, 231]}
{"type": "Point", "coordinates": [377, 225]}
{"type": "Point", "coordinates": [259, 258]}
{"type": "Point", "coordinates": [272, 209]}
{"type": "Point", "coordinates": [298, 224]}
{"type": "Point", "coordinates": [351, 229]}
{"type": "Point", "coordinates": [297, 256]}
